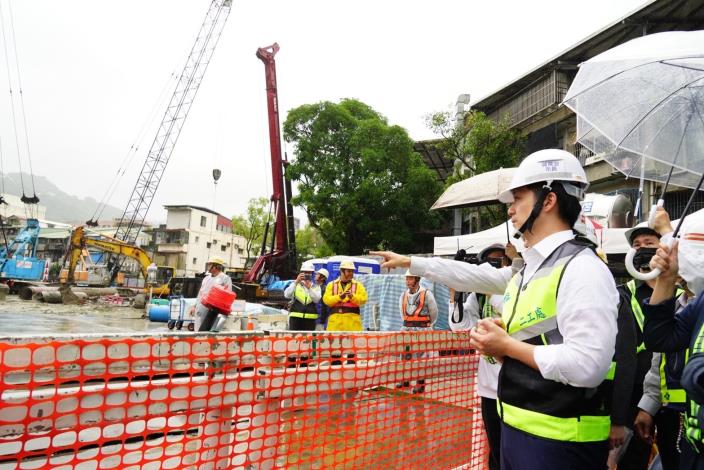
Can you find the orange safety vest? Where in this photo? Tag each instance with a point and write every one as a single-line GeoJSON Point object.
{"type": "Point", "coordinates": [344, 307]}
{"type": "Point", "coordinates": [414, 318]}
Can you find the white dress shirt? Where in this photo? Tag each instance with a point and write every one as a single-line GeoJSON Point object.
{"type": "Point", "coordinates": [488, 373]}
{"type": "Point", "coordinates": [587, 303]}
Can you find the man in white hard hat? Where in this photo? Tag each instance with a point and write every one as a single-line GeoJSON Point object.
{"type": "Point", "coordinates": [419, 311]}
{"type": "Point", "coordinates": [215, 277]}
{"type": "Point", "coordinates": [558, 328]}
{"type": "Point", "coordinates": [305, 294]}
{"type": "Point", "coordinates": [344, 296]}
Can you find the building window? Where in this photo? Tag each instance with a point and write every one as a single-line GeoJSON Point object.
{"type": "Point", "coordinates": [223, 248]}
{"type": "Point", "coordinates": [207, 245]}
{"type": "Point", "coordinates": [197, 238]}
{"type": "Point", "coordinates": [240, 251]}
{"type": "Point", "coordinates": [215, 241]}
{"type": "Point", "coordinates": [195, 260]}
{"type": "Point", "coordinates": [203, 221]}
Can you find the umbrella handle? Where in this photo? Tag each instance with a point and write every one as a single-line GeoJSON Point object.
{"type": "Point", "coordinates": [653, 211]}
{"type": "Point", "coordinates": [634, 272]}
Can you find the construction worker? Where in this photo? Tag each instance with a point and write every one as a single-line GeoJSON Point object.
{"type": "Point", "coordinates": [476, 307]}
{"type": "Point", "coordinates": [344, 296]}
{"type": "Point", "coordinates": [667, 331]}
{"type": "Point", "coordinates": [558, 328]}
{"type": "Point", "coordinates": [214, 277]}
{"type": "Point", "coordinates": [305, 295]}
{"type": "Point", "coordinates": [419, 311]}
{"type": "Point", "coordinates": [321, 278]}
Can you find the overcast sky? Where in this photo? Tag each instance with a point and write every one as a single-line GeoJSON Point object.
{"type": "Point", "coordinates": [93, 70]}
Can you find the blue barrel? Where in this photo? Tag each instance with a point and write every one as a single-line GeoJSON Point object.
{"type": "Point", "coordinates": [160, 302]}
{"type": "Point", "coordinates": [159, 313]}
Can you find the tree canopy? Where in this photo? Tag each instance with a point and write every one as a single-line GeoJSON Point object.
{"type": "Point", "coordinates": [251, 226]}
{"type": "Point", "coordinates": [359, 180]}
{"type": "Point", "coordinates": [477, 144]}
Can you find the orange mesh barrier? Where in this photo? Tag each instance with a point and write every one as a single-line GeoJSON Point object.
{"type": "Point", "coordinates": [241, 401]}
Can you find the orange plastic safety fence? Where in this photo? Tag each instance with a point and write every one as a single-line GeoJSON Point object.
{"type": "Point", "coordinates": [241, 401]}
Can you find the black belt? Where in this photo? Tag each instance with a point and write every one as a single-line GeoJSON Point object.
{"type": "Point", "coordinates": [420, 324]}
{"type": "Point", "coordinates": [344, 310]}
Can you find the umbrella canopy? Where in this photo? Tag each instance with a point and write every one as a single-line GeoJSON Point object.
{"type": "Point", "coordinates": [477, 190]}
{"type": "Point", "coordinates": [641, 105]}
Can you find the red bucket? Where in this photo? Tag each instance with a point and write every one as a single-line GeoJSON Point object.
{"type": "Point", "coordinates": [220, 299]}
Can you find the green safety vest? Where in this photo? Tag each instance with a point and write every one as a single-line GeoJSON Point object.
{"type": "Point", "coordinates": [693, 428]}
{"type": "Point", "coordinates": [527, 401]}
{"type": "Point", "coordinates": [303, 306]}
{"type": "Point", "coordinates": [640, 318]}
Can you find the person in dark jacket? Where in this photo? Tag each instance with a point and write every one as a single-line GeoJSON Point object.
{"type": "Point", "coordinates": [666, 332]}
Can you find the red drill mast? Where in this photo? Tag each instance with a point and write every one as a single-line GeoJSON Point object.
{"type": "Point", "coordinates": [281, 258]}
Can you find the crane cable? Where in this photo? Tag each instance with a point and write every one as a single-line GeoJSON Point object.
{"type": "Point", "coordinates": [131, 153]}
{"type": "Point", "coordinates": [25, 199]}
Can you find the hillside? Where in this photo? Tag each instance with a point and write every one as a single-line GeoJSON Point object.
{"type": "Point", "coordinates": [60, 206]}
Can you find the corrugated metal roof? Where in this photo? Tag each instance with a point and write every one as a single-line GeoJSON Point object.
{"type": "Point", "coordinates": [654, 17]}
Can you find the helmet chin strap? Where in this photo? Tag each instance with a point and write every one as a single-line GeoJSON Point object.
{"type": "Point", "coordinates": [528, 224]}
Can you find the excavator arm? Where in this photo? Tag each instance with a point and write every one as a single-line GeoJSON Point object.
{"type": "Point", "coordinates": [79, 242]}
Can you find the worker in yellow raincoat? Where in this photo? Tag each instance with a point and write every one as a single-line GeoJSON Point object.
{"type": "Point", "coordinates": [344, 296]}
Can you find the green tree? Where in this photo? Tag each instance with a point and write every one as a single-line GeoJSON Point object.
{"type": "Point", "coordinates": [359, 180]}
{"type": "Point", "coordinates": [251, 226]}
{"type": "Point", "coordinates": [310, 244]}
{"type": "Point", "coordinates": [477, 144]}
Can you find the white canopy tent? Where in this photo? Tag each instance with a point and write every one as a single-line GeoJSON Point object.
{"type": "Point", "coordinates": [612, 241]}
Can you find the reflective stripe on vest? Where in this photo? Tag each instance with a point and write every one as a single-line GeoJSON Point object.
{"type": "Point", "coordinates": [581, 429]}
{"type": "Point", "coordinates": [637, 312]}
{"type": "Point", "coordinates": [485, 308]}
{"type": "Point", "coordinates": [671, 394]}
{"type": "Point", "coordinates": [530, 315]}
{"type": "Point", "coordinates": [416, 316]}
{"type": "Point", "coordinates": [611, 373]}
{"type": "Point", "coordinates": [692, 425]}
{"type": "Point", "coordinates": [303, 306]}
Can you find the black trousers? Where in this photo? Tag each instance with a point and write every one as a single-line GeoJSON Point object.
{"type": "Point", "coordinates": [521, 451]}
{"type": "Point", "coordinates": [667, 423]}
{"type": "Point", "coordinates": [301, 324]}
{"type": "Point", "coordinates": [492, 426]}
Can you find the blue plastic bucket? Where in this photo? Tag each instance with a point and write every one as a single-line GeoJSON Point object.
{"type": "Point", "coordinates": [159, 313]}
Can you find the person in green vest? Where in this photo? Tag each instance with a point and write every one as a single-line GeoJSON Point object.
{"type": "Point", "coordinates": [305, 295]}
{"type": "Point", "coordinates": [558, 328]}
{"type": "Point", "coordinates": [632, 360]}
{"type": "Point", "coordinates": [666, 331]}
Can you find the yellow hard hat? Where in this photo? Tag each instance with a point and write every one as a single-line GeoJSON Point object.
{"type": "Point", "coordinates": [216, 260]}
{"type": "Point", "coordinates": [347, 264]}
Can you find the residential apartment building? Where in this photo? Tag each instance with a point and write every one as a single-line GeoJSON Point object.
{"type": "Point", "coordinates": [192, 235]}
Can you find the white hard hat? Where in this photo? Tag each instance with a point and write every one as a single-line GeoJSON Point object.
{"type": "Point", "coordinates": [347, 264]}
{"type": "Point", "coordinates": [408, 274]}
{"type": "Point", "coordinates": [640, 229]}
{"type": "Point", "coordinates": [324, 272]}
{"type": "Point", "coordinates": [549, 165]}
{"type": "Point", "coordinates": [307, 267]}
{"type": "Point", "coordinates": [216, 260]}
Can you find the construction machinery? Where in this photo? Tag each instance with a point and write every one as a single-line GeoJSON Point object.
{"type": "Point", "coordinates": [18, 261]}
{"type": "Point", "coordinates": [279, 257]}
{"type": "Point", "coordinates": [162, 147]}
{"type": "Point", "coordinates": [156, 278]}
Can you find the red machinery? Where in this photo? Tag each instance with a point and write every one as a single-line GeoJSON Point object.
{"type": "Point", "coordinates": [280, 257]}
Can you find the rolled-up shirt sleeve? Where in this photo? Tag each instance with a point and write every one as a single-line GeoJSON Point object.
{"type": "Point", "coordinates": [461, 276]}
{"type": "Point", "coordinates": [587, 304]}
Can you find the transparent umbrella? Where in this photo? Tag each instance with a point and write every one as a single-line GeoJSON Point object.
{"type": "Point", "coordinates": [641, 106]}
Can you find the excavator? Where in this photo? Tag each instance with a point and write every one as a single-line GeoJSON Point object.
{"type": "Point", "coordinates": [156, 278]}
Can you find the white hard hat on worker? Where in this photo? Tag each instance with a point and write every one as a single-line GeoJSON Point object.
{"type": "Point", "coordinates": [552, 165]}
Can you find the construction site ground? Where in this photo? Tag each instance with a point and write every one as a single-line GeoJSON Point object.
{"type": "Point", "coordinates": [39, 318]}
